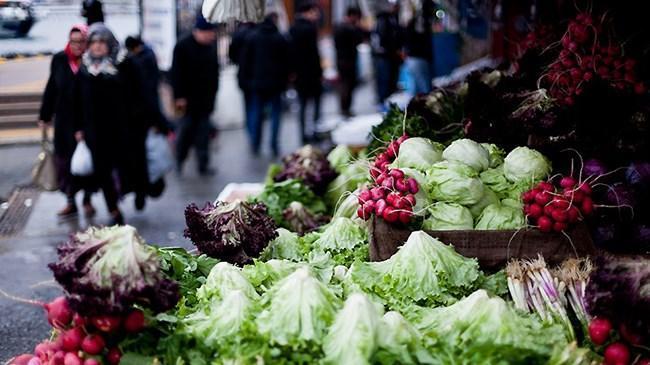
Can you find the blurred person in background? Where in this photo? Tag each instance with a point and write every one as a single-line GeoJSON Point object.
{"type": "Point", "coordinates": [237, 44]}
{"type": "Point", "coordinates": [140, 74]}
{"type": "Point", "coordinates": [347, 37]}
{"type": "Point", "coordinates": [306, 66]}
{"type": "Point", "coordinates": [265, 62]}
{"type": "Point", "coordinates": [60, 103]}
{"type": "Point", "coordinates": [102, 104]}
{"type": "Point", "coordinates": [386, 43]}
{"type": "Point", "coordinates": [195, 81]}
{"type": "Point", "coordinates": [93, 11]}
{"type": "Point", "coordinates": [419, 49]}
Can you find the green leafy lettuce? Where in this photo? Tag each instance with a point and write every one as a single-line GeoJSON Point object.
{"type": "Point", "coordinates": [448, 216]}
{"type": "Point", "coordinates": [454, 183]}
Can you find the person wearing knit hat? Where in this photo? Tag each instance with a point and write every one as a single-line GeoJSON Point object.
{"type": "Point", "coordinates": [195, 80]}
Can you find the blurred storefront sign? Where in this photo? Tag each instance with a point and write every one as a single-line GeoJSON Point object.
{"type": "Point", "coordinates": [159, 29]}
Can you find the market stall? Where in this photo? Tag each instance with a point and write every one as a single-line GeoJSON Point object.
{"type": "Point", "coordinates": [499, 220]}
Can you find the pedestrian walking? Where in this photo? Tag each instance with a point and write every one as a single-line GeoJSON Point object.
{"type": "Point", "coordinates": [60, 105]}
{"type": "Point", "coordinates": [93, 11]}
{"type": "Point", "coordinates": [419, 50]}
{"type": "Point", "coordinates": [265, 61]}
{"type": "Point", "coordinates": [101, 94]}
{"type": "Point", "coordinates": [140, 74]}
{"type": "Point", "coordinates": [347, 37]}
{"type": "Point", "coordinates": [195, 81]}
{"type": "Point", "coordinates": [238, 43]}
{"type": "Point", "coordinates": [386, 43]}
{"type": "Point", "coordinates": [306, 66]}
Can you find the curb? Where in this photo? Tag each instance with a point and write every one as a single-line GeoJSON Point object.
{"type": "Point", "coordinates": [12, 56]}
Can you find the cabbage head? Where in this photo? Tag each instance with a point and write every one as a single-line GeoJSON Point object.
{"type": "Point", "coordinates": [526, 166]}
{"type": "Point", "coordinates": [422, 199]}
{"type": "Point", "coordinates": [418, 153]}
{"type": "Point", "coordinates": [496, 154]}
{"type": "Point", "coordinates": [339, 157]}
{"type": "Point", "coordinates": [501, 216]}
{"type": "Point", "coordinates": [469, 153]}
{"type": "Point", "coordinates": [455, 183]}
{"type": "Point", "coordinates": [488, 198]}
{"type": "Point", "coordinates": [448, 216]}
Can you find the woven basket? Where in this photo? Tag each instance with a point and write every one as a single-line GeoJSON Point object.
{"type": "Point", "coordinates": [493, 249]}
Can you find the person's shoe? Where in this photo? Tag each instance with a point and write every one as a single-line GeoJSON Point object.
{"type": "Point", "coordinates": [207, 172]}
{"type": "Point", "coordinates": [140, 201]}
{"type": "Point", "coordinates": [89, 210]}
{"type": "Point", "coordinates": [117, 218]}
{"type": "Point", "coordinates": [68, 211]}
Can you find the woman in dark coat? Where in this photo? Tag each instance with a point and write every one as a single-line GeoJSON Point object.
{"type": "Point", "coordinates": [59, 104]}
{"type": "Point", "coordinates": [102, 112]}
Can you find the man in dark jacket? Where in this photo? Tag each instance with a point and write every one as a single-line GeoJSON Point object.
{"type": "Point", "coordinates": [237, 44]}
{"type": "Point", "coordinates": [419, 49]}
{"type": "Point", "coordinates": [305, 59]}
{"type": "Point", "coordinates": [347, 36]}
{"type": "Point", "coordinates": [386, 43]}
{"type": "Point", "coordinates": [195, 81]}
{"type": "Point", "coordinates": [93, 11]}
{"type": "Point", "coordinates": [265, 61]}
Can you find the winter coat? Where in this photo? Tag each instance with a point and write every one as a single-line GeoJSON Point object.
{"type": "Point", "coordinates": [305, 57]}
{"type": "Point", "coordinates": [346, 39]}
{"type": "Point", "coordinates": [60, 103]}
{"type": "Point", "coordinates": [386, 39]}
{"type": "Point", "coordinates": [265, 61]}
{"type": "Point", "coordinates": [237, 44]}
{"type": "Point", "coordinates": [195, 75]}
{"type": "Point", "coordinates": [93, 11]}
{"type": "Point", "coordinates": [418, 41]}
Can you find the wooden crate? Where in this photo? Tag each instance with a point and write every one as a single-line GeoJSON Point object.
{"type": "Point", "coordinates": [493, 249]}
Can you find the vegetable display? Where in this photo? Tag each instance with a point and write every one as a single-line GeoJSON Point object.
{"type": "Point", "coordinates": [309, 165]}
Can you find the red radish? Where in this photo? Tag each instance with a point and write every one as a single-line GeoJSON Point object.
{"type": "Point", "coordinates": [91, 361]}
{"type": "Point", "coordinates": [368, 208]}
{"type": "Point", "coordinates": [630, 336]}
{"type": "Point", "coordinates": [57, 358]}
{"type": "Point", "coordinates": [545, 186]}
{"type": "Point", "coordinates": [405, 217]}
{"type": "Point", "coordinates": [587, 76]}
{"type": "Point", "coordinates": [560, 226]}
{"type": "Point", "coordinates": [396, 174]}
{"type": "Point", "coordinates": [411, 199]}
{"type": "Point", "coordinates": [617, 354]}
{"type": "Point", "coordinates": [34, 361]}
{"type": "Point", "coordinates": [364, 196]}
{"type": "Point", "coordinates": [377, 193]}
{"type": "Point", "coordinates": [21, 359]}
{"type": "Point", "coordinates": [585, 188]}
{"type": "Point", "coordinates": [545, 224]}
{"type": "Point", "coordinates": [639, 88]}
{"type": "Point", "coordinates": [391, 199]}
{"type": "Point", "coordinates": [575, 196]}
{"type": "Point", "coordinates": [535, 211]}
{"type": "Point", "coordinates": [72, 358]}
{"type": "Point", "coordinates": [401, 185]}
{"type": "Point", "coordinates": [380, 206]}
{"type": "Point", "coordinates": [528, 197]}
{"type": "Point", "coordinates": [403, 138]}
{"type": "Point", "coordinates": [543, 198]}
{"type": "Point", "coordinates": [560, 216]}
{"type": "Point", "coordinates": [114, 355]}
{"type": "Point", "coordinates": [413, 185]}
{"type": "Point", "coordinates": [587, 206]}
{"type": "Point", "coordinates": [548, 210]}
{"type": "Point", "coordinates": [93, 344]}
{"type": "Point", "coordinates": [380, 179]}
{"type": "Point", "coordinates": [106, 323]}
{"type": "Point", "coordinates": [573, 214]}
{"type": "Point", "coordinates": [388, 183]}
{"type": "Point", "coordinates": [560, 203]}
{"type": "Point", "coordinates": [361, 214]}
{"type": "Point", "coordinates": [567, 182]}
{"type": "Point", "coordinates": [59, 313]}
{"type": "Point", "coordinates": [390, 215]}
{"type": "Point", "coordinates": [42, 349]}
{"type": "Point", "coordinates": [599, 330]}
{"type": "Point", "coordinates": [71, 339]}
{"type": "Point", "coordinates": [644, 361]}
{"type": "Point", "coordinates": [78, 320]}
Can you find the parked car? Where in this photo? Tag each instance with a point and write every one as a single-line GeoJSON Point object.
{"type": "Point", "coordinates": [16, 17]}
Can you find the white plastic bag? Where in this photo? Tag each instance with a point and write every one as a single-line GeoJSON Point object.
{"type": "Point", "coordinates": [82, 160]}
{"type": "Point", "coordinates": [159, 156]}
{"type": "Point", "coordinates": [223, 11]}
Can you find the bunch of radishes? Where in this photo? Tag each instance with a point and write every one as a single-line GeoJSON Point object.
{"type": "Point", "coordinates": [586, 54]}
{"type": "Point", "coordinates": [552, 208]}
{"type": "Point", "coordinates": [539, 38]}
{"type": "Point", "coordinates": [615, 345]}
{"type": "Point", "coordinates": [392, 195]}
{"type": "Point", "coordinates": [82, 340]}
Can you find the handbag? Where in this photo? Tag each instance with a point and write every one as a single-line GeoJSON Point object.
{"type": "Point", "coordinates": [44, 172]}
{"type": "Point", "coordinates": [82, 160]}
{"type": "Point", "coordinates": [159, 156]}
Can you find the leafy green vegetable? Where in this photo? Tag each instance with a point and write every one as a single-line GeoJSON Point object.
{"type": "Point", "coordinates": [354, 336]}
{"type": "Point", "coordinates": [343, 238]}
{"type": "Point", "coordinates": [348, 207]}
{"type": "Point", "coordinates": [351, 177]}
{"type": "Point", "coordinates": [454, 183]}
{"type": "Point", "coordinates": [418, 153]}
{"type": "Point", "coordinates": [224, 278]}
{"type": "Point", "coordinates": [278, 196]}
{"type": "Point", "coordinates": [298, 309]}
{"type": "Point", "coordinates": [489, 197]}
{"type": "Point", "coordinates": [484, 330]}
{"type": "Point", "coordinates": [301, 220]}
{"type": "Point", "coordinates": [500, 216]}
{"type": "Point", "coordinates": [286, 247]}
{"type": "Point", "coordinates": [339, 157]}
{"type": "Point", "coordinates": [190, 271]}
{"type": "Point", "coordinates": [423, 271]}
{"type": "Point", "coordinates": [495, 179]}
{"type": "Point", "coordinates": [394, 125]}
{"type": "Point", "coordinates": [496, 154]}
{"type": "Point", "coordinates": [400, 342]}
{"type": "Point", "coordinates": [526, 166]}
{"type": "Point", "coordinates": [448, 216]}
{"type": "Point", "coordinates": [468, 152]}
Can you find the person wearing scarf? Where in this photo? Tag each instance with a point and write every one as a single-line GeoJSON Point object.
{"type": "Point", "coordinates": [59, 105]}
{"type": "Point", "coordinates": [102, 104]}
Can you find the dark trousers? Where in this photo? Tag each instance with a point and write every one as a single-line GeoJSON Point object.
{"type": "Point", "coordinates": [194, 131]}
{"type": "Point", "coordinates": [106, 182]}
{"type": "Point", "coordinates": [386, 76]}
{"type": "Point", "coordinates": [347, 84]}
{"type": "Point", "coordinates": [304, 99]}
{"type": "Point", "coordinates": [258, 103]}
